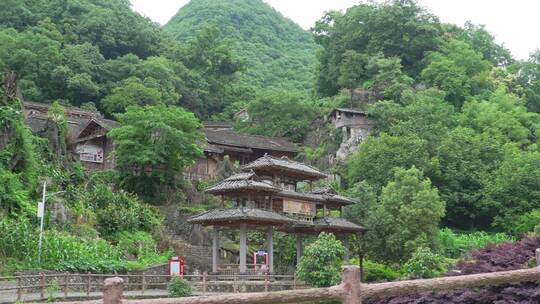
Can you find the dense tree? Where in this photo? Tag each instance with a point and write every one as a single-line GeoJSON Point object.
{"type": "Point", "coordinates": [457, 70]}
{"type": "Point", "coordinates": [513, 188]}
{"type": "Point", "coordinates": [276, 51]}
{"type": "Point", "coordinates": [281, 114]}
{"type": "Point", "coordinates": [320, 266]}
{"type": "Point", "coordinates": [406, 218]}
{"type": "Point", "coordinates": [528, 76]}
{"type": "Point", "coordinates": [398, 29]}
{"type": "Point", "coordinates": [153, 145]}
{"type": "Point", "coordinates": [378, 157]}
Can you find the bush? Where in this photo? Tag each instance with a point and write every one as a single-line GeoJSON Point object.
{"type": "Point", "coordinates": [320, 266]}
{"type": "Point", "coordinates": [425, 264]}
{"type": "Point", "coordinates": [179, 288]}
{"type": "Point", "coordinates": [140, 246]}
{"type": "Point", "coordinates": [454, 245]}
{"type": "Point", "coordinates": [376, 272]}
{"type": "Point", "coordinates": [525, 223]}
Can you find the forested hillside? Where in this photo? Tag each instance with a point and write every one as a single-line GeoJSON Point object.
{"type": "Point", "coordinates": [454, 145]}
{"type": "Point", "coordinates": [101, 54]}
{"type": "Point", "coordinates": [276, 52]}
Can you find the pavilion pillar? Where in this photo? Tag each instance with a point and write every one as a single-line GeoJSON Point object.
{"type": "Point", "coordinates": [215, 249]}
{"type": "Point", "coordinates": [347, 248]}
{"type": "Point", "coordinates": [243, 248]}
{"type": "Point", "coordinates": [270, 238]}
{"type": "Point", "coordinates": [299, 248]}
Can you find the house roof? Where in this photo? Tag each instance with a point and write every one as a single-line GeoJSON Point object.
{"type": "Point", "coordinates": [283, 164]}
{"type": "Point", "coordinates": [346, 110]}
{"type": "Point", "coordinates": [241, 182]}
{"type": "Point", "coordinates": [239, 215]}
{"type": "Point", "coordinates": [227, 138]}
{"type": "Point", "coordinates": [77, 119]}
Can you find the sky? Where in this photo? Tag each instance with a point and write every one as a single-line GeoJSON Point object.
{"type": "Point", "coordinates": [512, 22]}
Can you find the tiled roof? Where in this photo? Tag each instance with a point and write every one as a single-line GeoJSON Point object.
{"type": "Point", "coordinates": [227, 137]}
{"type": "Point", "coordinates": [302, 196]}
{"type": "Point", "coordinates": [239, 215]}
{"type": "Point", "coordinates": [353, 111]}
{"type": "Point", "coordinates": [336, 223]}
{"type": "Point", "coordinates": [331, 195]}
{"type": "Point", "coordinates": [284, 164]}
{"type": "Point", "coordinates": [241, 182]}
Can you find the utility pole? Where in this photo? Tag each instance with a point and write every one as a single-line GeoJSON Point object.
{"type": "Point", "coordinates": [41, 214]}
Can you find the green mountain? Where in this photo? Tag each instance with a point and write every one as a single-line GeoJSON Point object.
{"type": "Point", "coordinates": [276, 51]}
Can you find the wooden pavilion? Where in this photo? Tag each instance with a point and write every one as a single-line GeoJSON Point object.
{"type": "Point", "coordinates": [266, 196]}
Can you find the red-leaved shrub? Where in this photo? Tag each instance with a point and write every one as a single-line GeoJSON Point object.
{"type": "Point", "coordinates": [506, 256]}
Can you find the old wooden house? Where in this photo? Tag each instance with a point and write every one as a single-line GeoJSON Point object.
{"type": "Point", "coordinates": [355, 126]}
{"type": "Point", "coordinates": [87, 134]}
{"type": "Point", "coordinates": [223, 140]}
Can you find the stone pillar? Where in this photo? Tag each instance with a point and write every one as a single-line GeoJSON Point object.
{"type": "Point", "coordinates": [347, 249]}
{"type": "Point", "coordinates": [299, 248]}
{"type": "Point", "coordinates": [270, 237]}
{"type": "Point", "coordinates": [215, 249]}
{"type": "Point", "coordinates": [112, 290]}
{"type": "Point", "coordinates": [243, 248]}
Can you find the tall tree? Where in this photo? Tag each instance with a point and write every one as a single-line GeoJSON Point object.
{"type": "Point", "coordinates": [406, 218]}
{"type": "Point", "coordinates": [153, 145]}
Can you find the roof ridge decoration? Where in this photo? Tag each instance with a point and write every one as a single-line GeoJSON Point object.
{"type": "Point", "coordinates": [242, 181]}
{"type": "Point", "coordinates": [284, 163]}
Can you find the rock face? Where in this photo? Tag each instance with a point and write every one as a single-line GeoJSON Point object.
{"type": "Point", "coordinates": [356, 127]}
{"type": "Point", "coordinates": [351, 141]}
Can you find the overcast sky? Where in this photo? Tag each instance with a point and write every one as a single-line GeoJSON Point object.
{"type": "Point", "coordinates": [513, 22]}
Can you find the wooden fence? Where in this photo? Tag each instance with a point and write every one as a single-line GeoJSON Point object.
{"type": "Point", "coordinates": [350, 291]}
{"type": "Point", "coordinates": [85, 285]}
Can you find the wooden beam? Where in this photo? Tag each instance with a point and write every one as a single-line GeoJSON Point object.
{"type": "Point", "coordinates": [449, 283]}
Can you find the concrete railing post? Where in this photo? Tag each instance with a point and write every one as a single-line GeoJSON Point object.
{"type": "Point", "coordinates": [350, 282]}
{"type": "Point", "coordinates": [537, 254]}
{"type": "Point", "coordinates": [112, 290]}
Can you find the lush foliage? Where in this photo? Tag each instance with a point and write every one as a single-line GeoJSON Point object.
{"type": "Point", "coordinates": [179, 287]}
{"type": "Point", "coordinates": [456, 245]}
{"type": "Point", "coordinates": [507, 256]}
{"type": "Point", "coordinates": [376, 272]}
{"type": "Point", "coordinates": [104, 53]}
{"type": "Point", "coordinates": [321, 263]}
{"type": "Point", "coordinates": [406, 217]}
{"type": "Point", "coordinates": [277, 52]}
{"type": "Point", "coordinates": [153, 145]}
{"type": "Point", "coordinates": [424, 263]}
{"type": "Point", "coordinates": [280, 114]}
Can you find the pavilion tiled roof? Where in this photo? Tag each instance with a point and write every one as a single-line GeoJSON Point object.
{"type": "Point", "coordinates": [330, 195]}
{"type": "Point", "coordinates": [241, 214]}
{"type": "Point", "coordinates": [317, 196]}
{"type": "Point", "coordinates": [336, 223]}
{"type": "Point", "coordinates": [268, 162]}
{"type": "Point", "coordinates": [243, 181]}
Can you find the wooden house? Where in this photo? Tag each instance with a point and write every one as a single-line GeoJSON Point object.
{"type": "Point", "coordinates": [86, 137]}
{"type": "Point", "coordinates": [355, 126]}
{"type": "Point", "coordinates": [240, 148]}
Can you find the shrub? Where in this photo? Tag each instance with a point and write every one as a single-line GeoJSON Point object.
{"type": "Point", "coordinates": [425, 264]}
{"type": "Point", "coordinates": [320, 265]}
{"type": "Point", "coordinates": [376, 272]}
{"type": "Point", "coordinates": [500, 257]}
{"type": "Point", "coordinates": [454, 245]}
{"type": "Point", "coordinates": [179, 287]}
{"type": "Point", "coordinates": [525, 223]}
